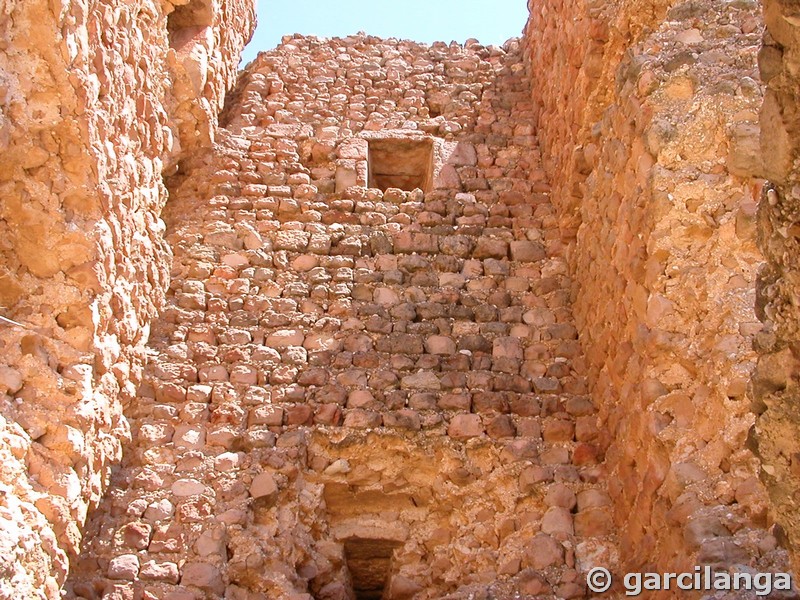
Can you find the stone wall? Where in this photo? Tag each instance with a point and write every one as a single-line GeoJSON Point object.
{"type": "Point", "coordinates": [649, 129]}
{"type": "Point", "coordinates": [357, 389]}
{"type": "Point", "coordinates": [775, 386]}
{"type": "Point", "coordinates": [540, 361]}
{"type": "Point", "coordinates": [94, 109]}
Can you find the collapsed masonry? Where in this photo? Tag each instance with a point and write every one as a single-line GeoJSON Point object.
{"type": "Point", "coordinates": [441, 321]}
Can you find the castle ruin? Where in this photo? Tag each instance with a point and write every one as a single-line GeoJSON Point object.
{"type": "Point", "coordinates": [380, 319]}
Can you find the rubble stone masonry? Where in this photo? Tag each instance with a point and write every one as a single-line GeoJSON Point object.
{"type": "Point", "coordinates": [351, 388]}
{"type": "Point", "coordinates": [394, 320]}
{"type": "Point", "coordinates": [96, 107]}
{"type": "Point", "coordinates": [775, 385]}
{"type": "Point", "coordinates": [654, 177]}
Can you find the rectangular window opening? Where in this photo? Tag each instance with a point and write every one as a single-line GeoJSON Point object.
{"type": "Point", "coordinates": [400, 163]}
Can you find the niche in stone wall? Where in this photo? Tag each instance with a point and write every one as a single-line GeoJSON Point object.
{"type": "Point", "coordinates": [187, 21]}
{"type": "Point", "coordinates": [406, 164]}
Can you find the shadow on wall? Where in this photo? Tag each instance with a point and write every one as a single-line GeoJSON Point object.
{"type": "Point", "coordinates": [186, 22]}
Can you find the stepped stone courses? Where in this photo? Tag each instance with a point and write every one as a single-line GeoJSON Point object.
{"type": "Point", "coordinates": [392, 367]}
{"type": "Point", "coordinates": [95, 109]}
{"type": "Point", "coordinates": [445, 321]}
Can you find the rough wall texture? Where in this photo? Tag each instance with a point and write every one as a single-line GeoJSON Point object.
{"type": "Point", "coordinates": [91, 94]}
{"type": "Point", "coordinates": [652, 163]}
{"type": "Point", "coordinates": [355, 389]}
{"type": "Point", "coordinates": [536, 357]}
{"type": "Point", "coordinates": [775, 384]}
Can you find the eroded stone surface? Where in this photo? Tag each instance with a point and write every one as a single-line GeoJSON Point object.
{"type": "Point", "coordinates": [94, 112]}
{"type": "Point", "coordinates": [355, 387]}
{"type": "Point", "coordinates": [658, 210]}
{"type": "Point", "coordinates": [345, 370]}
{"type": "Point", "coordinates": [774, 383]}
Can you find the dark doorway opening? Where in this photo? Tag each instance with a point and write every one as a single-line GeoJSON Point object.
{"type": "Point", "coordinates": [369, 562]}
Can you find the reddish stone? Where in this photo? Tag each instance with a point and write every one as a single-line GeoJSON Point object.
{"type": "Point", "coordinates": [512, 383]}
{"type": "Point", "coordinates": [585, 454]}
{"type": "Point", "coordinates": [490, 248]}
{"type": "Point", "coordinates": [519, 450]}
{"type": "Point", "coordinates": [203, 575]}
{"type": "Point", "coordinates": [594, 522]}
{"type": "Point", "coordinates": [137, 535]}
{"type": "Point", "coordinates": [328, 414]}
{"type": "Point", "coordinates": [543, 551]}
{"type": "Point", "coordinates": [531, 584]}
{"type": "Point", "coordinates": [362, 419]}
{"type": "Point", "coordinates": [501, 426]}
{"type": "Point", "coordinates": [299, 414]}
{"type": "Point", "coordinates": [534, 478]}
{"type": "Point", "coordinates": [465, 426]}
{"type": "Point", "coordinates": [525, 405]}
{"type": "Point", "coordinates": [586, 429]}
{"type": "Point", "coordinates": [452, 380]}
{"type": "Point", "coordinates": [558, 430]}
{"type": "Point", "coordinates": [462, 401]}
{"type": "Point", "coordinates": [489, 402]}
{"type": "Point", "coordinates": [407, 242]}
{"type": "Point", "coordinates": [558, 521]}
{"type": "Point", "coordinates": [525, 251]}
{"type": "Point", "coordinates": [403, 419]}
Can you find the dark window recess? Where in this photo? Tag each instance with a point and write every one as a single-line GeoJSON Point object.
{"type": "Point", "coordinates": [369, 563]}
{"type": "Point", "coordinates": [404, 164]}
{"type": "Point", "coordinates": [187, 20]}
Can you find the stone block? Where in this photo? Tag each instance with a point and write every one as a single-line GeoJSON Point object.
{"type": "Point", "coordinates": [204, 576]}
{"type": "Point", "coordinates": [458, 401]}
{"type": "Point", "coordinates": [10, 380]}
{"type": "Point", "coordinates": [487, 247]}
{"type": "Point", "coordinates": [465, 426]}
{"type": "Point", "coordinates": [362, 419]}
{"type": "Point", "coordinates": [424, 380]}
{"type": "Point", "coordinates": [408, 242]}
{"type": "Point", "coordinates": [125, 566]}
{"type": "Point", "coordinates": [402, 419]}
{"type": "Point", "coordinates": [264, 486]}
{"type": "Point", "coordinates": [160, 571]}
{"type": "Point", "coordinates": [558, 430]}
{"type": "Point", "coordinates": [440, 344]}
{"type": "Point", "coordinates": [188, 487]}
{"type": "Point", "coordinates": [586, 454]}
{"type": "Point", "coordinates": [489, 402]}
{"type": "Point", "coordinates": [328, 414]}
{"type": "Point", "coordinates": [594, 522]}
{"type": "Point", "coordinates": [543, 551]}
{"type": "Point", "coordinates": [501, 426]}
{"type": "Point", "coordinates": [557, 521]}
{"type": "Point", "coordinates": [299, 414]}
{"type": "Point", "coordinates": [525, 251]}
{"type": "Point", "coordinates": [507, 347]}
{"type": "Point", "coordinates": [560, 495]}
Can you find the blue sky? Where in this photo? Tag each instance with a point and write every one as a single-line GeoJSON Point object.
{"type": "Point", "coordinates": [489, 21]}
